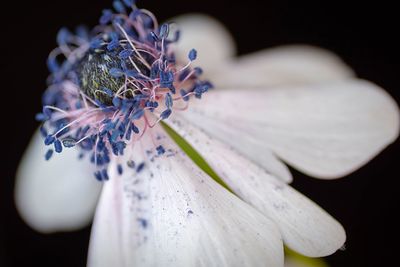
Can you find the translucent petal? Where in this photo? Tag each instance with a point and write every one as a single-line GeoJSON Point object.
{"type": "Point", "coordinates": [173, 214]}
{"type": "Point", "coordinates": [281, 66]}
{"type": "Point", "coordinates": [325, 130]}
{"type": "Point", "coordinates": [55, 195]}
{"type": "Point", "coordinates": [305, 227]}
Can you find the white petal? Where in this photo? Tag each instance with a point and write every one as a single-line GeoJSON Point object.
{"type": "Point", "coordinates": [209, 37]}
{"type": "Point", "coordinates": [326, 130]}
{"type": "Point", "coordinates": [55, 195]}
{"type": "Point", "coordinates": [189, 219]}
{"type": "Point", "coordinates": [285, 65]}
{"type": "Point", "coordinates": [305, 227]}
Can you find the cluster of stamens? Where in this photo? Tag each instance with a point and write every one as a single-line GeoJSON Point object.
{"type": "Point", "coordinates": [115, 82]}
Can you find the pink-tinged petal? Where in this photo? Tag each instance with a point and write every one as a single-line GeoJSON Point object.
{"type": "Point", "coordinates": [55, 195]}
{"type": "Point", "coordinates": [305, 227]}
{"type": "Point", "coordinates": [324, 130]}
{"type": "Point", "coordinates": [208, 36]}
{"type": "Point", "coordinates": [172, 214]}
{"type": "Point", "coordinates": [281, 66]}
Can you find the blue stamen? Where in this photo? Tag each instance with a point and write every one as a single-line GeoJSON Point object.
{"type": "Point", "coordinates": [165, 114]}
{"type": "Point", "coordinates": [49, 153]}
{"type": "Point", "coordinates": [168, 101]}
{"type": "Point", "coordinates": [120, 169]}
{"type": "Point", "coordinates": [140, 167]}
{"type": "Point", "coordinates": [192, 54]}
{"type": "Point", "coordinates": [160, 150]}
{"type": "Point", "coordinates": [57, 146]}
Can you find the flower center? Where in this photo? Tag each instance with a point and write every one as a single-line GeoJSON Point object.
{"type": "Point", "coordinates": [117, 81]}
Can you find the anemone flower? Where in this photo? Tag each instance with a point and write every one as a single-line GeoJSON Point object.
{"type": "Point", "coordinates": [115, 106]}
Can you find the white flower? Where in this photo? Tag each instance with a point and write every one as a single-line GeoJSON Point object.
{"type": "Point", "coordinates": [296, 104]}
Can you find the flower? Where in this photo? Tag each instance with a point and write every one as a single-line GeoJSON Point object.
{"type": "Point", "coordinates": [157, 207]}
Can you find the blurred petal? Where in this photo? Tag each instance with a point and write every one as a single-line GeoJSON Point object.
{"type": "Point", "coordinates": [173, 214]}
{"type": "Point", "coordinates": [208, 36]}
{"type": "Point", "coordinates": [326, 130]}
{"type": "Point", "coordinates": [284, 65]}
{"type": "Point", "coordinates": [55, 195]}
{"type": "Point", "coordinates": [305, 227]}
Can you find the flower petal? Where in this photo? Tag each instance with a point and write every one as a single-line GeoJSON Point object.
{"type": "Point", "coordinates": [55, 195]}
{"type": "Point", "coordinates": [305, 227]}
{"type": "Point", "coordinates": [208, 36]}
{"type": "Point", "coordinates": [284, 65]}
{"type": "Point", "coordinates": [326, 130]}
{"type": "Point", "coordinates": [173, 214]}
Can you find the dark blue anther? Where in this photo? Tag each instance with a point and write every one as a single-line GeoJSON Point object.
{"type": "Point", "coordinates": [49, 153]}
{"type": "Point", "coordinates": [160, 150]}
{"type": "Point", "coordinates": [98, 176]}
{"type": "Point", "coordinates": [112, 45]}
{"type": "Point", "coordinates": [49, 140]}
{"type": "Point", "coordinates": [198, 71]}
{"type": "Point", "coordinates": [104, 174]}
{"type": "Point", "coordinates": [41, 117]}
{"type": "Point", "coordinates": [57, 146]}
{"type": "Point", "coordinates": [120, 169]}
{"type": "Point", "coordinates": [119, 7]}
{"type": "Point", "coordinates": [140, 167]}
{"type": "Point", "coordinates": [168, 101]}
{"type": "Point", "coordinates": [166, 79]}
{"type": "Point", "coordinates": [137, 114]}
{"type": "Point", "coordinates": [165, 114]}
{"type": "Point", "coordinates": [135, 129]}
{"type": "Point", "coordinates": [106, 16]}
{"type": "Point", "coordinates": [164, 30]}
{"type": "Point", "coordinates": [63, 36]}
{"type": "Point", "coordinates": [68, 142]}
{"type": "Point", "coordinates": [201, 88]}
{"type": "Point", "coordinates": [106, 156]}
{"type": "Point", "coordinates": [192, 54]}
{"type": "Point", "coordinates": [115, 72]}
{"type": "Point", "coordinates": [124, 54]}
{"type": "Point", "coordinates": [184, 95]}
{"type": "Point", "coordinates": [96, 43]}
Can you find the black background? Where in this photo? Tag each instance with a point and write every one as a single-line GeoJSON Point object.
{"type": "Point", "coordinates": [364, 35]}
